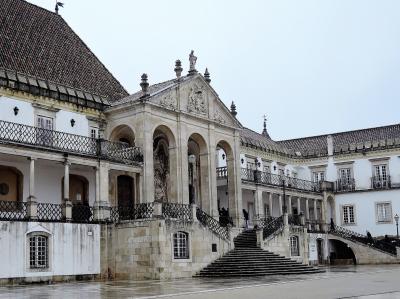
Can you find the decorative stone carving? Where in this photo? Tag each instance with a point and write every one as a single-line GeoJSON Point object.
{"type": "Point", "coordinates": [168, 102]}
{"type": "Point", "coordinates": [196, 101]}
{"type": "Point", "coordinates": [218, 117]}
{"type": "Point", "coordinates": [192, 61]}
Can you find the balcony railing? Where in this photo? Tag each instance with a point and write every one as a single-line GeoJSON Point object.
{"type": "Point", "coordinates": [267, 178]}
{"type": "Point", "coordinates": [13, 133]}
{"type": "Point", "coordinates": [378, 183]}
{"type": "Point", "coordinates": [222, 172]}
{"type": "Point", "coordinates": [345, 185]}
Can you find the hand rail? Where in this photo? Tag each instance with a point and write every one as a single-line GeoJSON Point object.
{"type": "Point", "coordinates": [212, 224]}
{"type": "Point", "coordinates": [357, 237]}
{"type": "Point", "coordinates": [271, 225]}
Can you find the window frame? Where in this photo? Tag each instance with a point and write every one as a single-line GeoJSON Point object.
{"type": "Point", "coordinates": [390, 218]}
{"type": "Point", "coordinates": [185, 257]}
{"type": "Point", "coordinates": [295, 252]}
{"type": "Point", "coordinates": [342, 212]}
{"type": "Point", "coordinates": [36, 268]}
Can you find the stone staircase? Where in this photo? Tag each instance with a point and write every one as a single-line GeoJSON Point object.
{"type": "Point", "coordinates": [249, 260]}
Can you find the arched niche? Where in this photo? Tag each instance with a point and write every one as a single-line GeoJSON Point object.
{"type": "Point", "coordinates": [164, 165]}
{"type": "Point", "coordinates": [78, 189]}
{"type": "Point", "coordinates": [198, 166]}
{"type": "Point", "coordinates": [123, 133]}
{"type": "Point", "coordinates": [11, 184]}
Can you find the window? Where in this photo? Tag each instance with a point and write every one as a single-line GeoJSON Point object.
{"type": "Point", "coordinates": [384, 212]}
{"type": "Point", "coordinates": [94, 133]}
{"type": "Point", "coordinates": [266, 169]}
{"type": "Point", "coordinates": [38, 252]}
{"type": "Point", "coordinates": [251, 165]}
{"type": "Point", "coordinates": [267, 212]}
{"type": "Point", "coordinates": [181, 245]}
{"type": "Point", "coordinates": [45, 134]}
{"type": "Point", "coordinates": [318, 176]}
{"type": "Point", "coordinates": [348, 215]}
{"type": "Point", "coordinates": [345, 175]}
{"type": "Point", "coordinates": [294, 246]}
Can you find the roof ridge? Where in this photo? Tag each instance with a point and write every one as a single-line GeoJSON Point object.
{"type": "Point", "coordinates": [339, 133]}
{"type": "Point", "coordinates": [40, 7]}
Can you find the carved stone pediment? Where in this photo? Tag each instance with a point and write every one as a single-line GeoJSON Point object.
{"type": "Point", "coordinates": [197, 100]}
{"type": "Point", "coordinates": [168, 102]}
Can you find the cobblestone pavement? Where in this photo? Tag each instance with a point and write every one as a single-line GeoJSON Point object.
{"type": "Point", "coordinates": [367, 282]}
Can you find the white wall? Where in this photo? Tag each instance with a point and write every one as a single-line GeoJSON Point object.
{"type": "Point", "coordinates": [365, 218]}
{"type": "Point", "coordinates": [63, 123]}
{"type": "Point", "coordinates": [74, 249]}
{"type": "Point", "coordinates": [25, 114]}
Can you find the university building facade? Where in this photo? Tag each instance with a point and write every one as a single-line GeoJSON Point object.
{"type": "Point", "coordinates": [96, 183]}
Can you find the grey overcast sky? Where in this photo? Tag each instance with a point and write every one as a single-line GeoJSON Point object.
{"type": "Point", "coordinates": [313, 66]}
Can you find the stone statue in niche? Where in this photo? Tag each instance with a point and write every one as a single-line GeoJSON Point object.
{"type": "Point", "coordinates": [168, 102]}
{"type": "Point", "coordinates": [161, 169]}
{"type": "Point", "coordinates": [196, 101]}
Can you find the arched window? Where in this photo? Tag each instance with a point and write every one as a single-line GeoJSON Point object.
{"type": "Point", "coordinates": [38, 251]}
{"type": "Point", "coordinates": [181, 245]}
{"type": "Point", "coordinates": [294, 246]}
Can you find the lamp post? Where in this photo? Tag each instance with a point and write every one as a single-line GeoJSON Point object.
{"type": "Point", "coordinates": [284, 196]}
{"type": "Point", "coordinates": [396, 218]}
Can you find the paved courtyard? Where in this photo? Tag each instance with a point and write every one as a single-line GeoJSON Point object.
{"type": "Point", "coordinates": [372, 282]}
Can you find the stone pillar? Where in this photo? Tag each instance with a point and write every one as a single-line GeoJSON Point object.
{"type": "Point", "coordinates": [67, 205]}
{"type": "Point", "coordinates": [280, 205]}
{"type": "Point", "coordinates": [31, 200]}
{"type": "Point", "coordinates": [289, 206]}
{"type": "Point", "coordinates": [258, 204]}
{"type": "Point", "coordinates": [285, 219]}
{"type": "Point", "coordinates": [315, 210]}
{"type": "Point", "coordinates": [307, 210]}
{"type": "Point", "coordinates": [101, 208]}
{"type": "Point", "coordinates": [298, 205]}
{"type": "Point", "coordinates": [194, 213]}
{"type": "Point", "coordinates": [270, 203]}
{"type": "Point", "coordinates": [157, 212]}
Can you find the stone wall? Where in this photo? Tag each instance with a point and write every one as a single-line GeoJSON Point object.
{"type": "Point", "coordinates": [143, 249]}
{"type": "Point", "coordinates": [279, 243]}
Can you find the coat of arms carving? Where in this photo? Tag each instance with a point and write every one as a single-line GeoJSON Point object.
{"type": "Point", "coordinates": [168, 102]}
{"type": "Point", "coordinates": [196, 101]}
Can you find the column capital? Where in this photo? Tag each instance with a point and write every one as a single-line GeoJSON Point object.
{"type": "Point", "coordinates": [67, 162]}
{"type": "Point", "coordinates": [32, 158]}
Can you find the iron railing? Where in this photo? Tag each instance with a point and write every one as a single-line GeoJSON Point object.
{"type": "Point", "coordinates": [13, 133]}
{"type": "Point", "coordinates": [378, 182]}
{"type": "Point", "coordinates": [345, 185]}
{"type": "Point", "coordinates": [270, 227]}
{"type": "Point", "coordinates": [356, 237]}
{"type": "Point", "coordinates": [13, 210]}
{"type": "Point", "coordinates": [177, 211]}
{"type": "Point", "coordinates": [82, 213]}
{"type": "Point", "coordinates": [267, 178]}
{"type": "Point", "coordinates": [212, 224]}
{"type": "Point", "coordinates": [49, 212]}
{"type": "Point", "coordinates": [222, 172]}
{"type": "Point", "coordinates": [132, 212]}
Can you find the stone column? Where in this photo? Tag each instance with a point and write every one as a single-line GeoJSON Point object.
{"type": "Point", "coordinates": [67, 205]}
{"type": "Point", "coordinates": [280, 205]}
{"type": "Point", "coordinates": [289, 206]}
{"type": "Point", "coordinates": [270, 203]}
{"type": "Point", "coordinates": [315, 210]}
{"type": "Point", "coordinates": [31, 200]}
{"type": "Point", "coordinates": [298, 205]}
{"type": "Point", "coordinates": [101, 208]}
{"type": "Point", "coordinates": [258, 204]}
{"type": "Point", "coordinates": [307, 210]}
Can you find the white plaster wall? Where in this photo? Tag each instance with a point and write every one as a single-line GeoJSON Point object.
{"type": "Point", "coordinates": [74, 249]}
{"type": "Point", "coordinates": [365, 218]}
{"type": "Point", "coordinates": [25, 114]}
{"type": "Point", "coordinates": [48, 180]}
{"type": "Point", "coordinates": [63, 123]}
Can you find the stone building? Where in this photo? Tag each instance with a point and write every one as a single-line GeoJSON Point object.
{"type": "Point", "coordinates": [96, 183]}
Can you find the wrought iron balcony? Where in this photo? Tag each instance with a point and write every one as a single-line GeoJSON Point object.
{"type": "Point", "coordinates": [33, 137]}
{"type": "Point", "coordinates": [378, 182]}
{"type": "Point", "coordinates": [345, 185]}
{"type": "Point", "coordinates": [222, 172]}
{"type": "Point", "coordinates": [266, 178]}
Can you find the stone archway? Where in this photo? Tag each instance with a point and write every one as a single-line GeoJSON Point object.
{"type": "Point", "coordinates": [164, 165]}
{"type": "Point", "coordinates": [341, 253]}
{"type": "Point", "coordinates": [233, 210]}
{"type": "Point", "coordinates": [198, 167]}
{"type": "Point", "coordinates": [123, 133]}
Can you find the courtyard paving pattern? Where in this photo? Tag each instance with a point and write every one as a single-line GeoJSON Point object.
{"type": "Point", "coordinates": [366, 282]}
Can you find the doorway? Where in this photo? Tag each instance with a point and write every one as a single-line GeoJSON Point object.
{"type": "Point", "coordinates": [320, 251]}
{"type": "Point", "coordinates": [125, 190]}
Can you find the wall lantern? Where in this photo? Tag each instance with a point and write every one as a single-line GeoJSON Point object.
{"type": "Point", "coordinates": [274, 167]}
{"type": "Point", "coordinates": [223, 156]}
{"type": "Point", "coordinates": [242, 160]}
{"type": "Point", "coordinates": [16, 110]}
{"type": "Point", "coordinates": [72, 122]}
